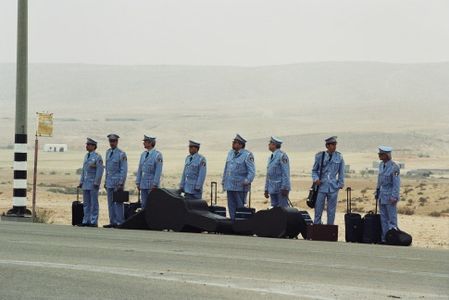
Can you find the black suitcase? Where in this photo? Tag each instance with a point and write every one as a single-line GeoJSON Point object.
{"type": "Point", "coordinates": [397, 237]}
{"type": "Point", "coordinates": [130, 208]}
{"type": "Point", "coordinates": [243, 213]}
{"type": "Point", "coordinates": [77, 210]}
{"type": "Point", "coordinates": [353, 222]}
{"type": "Point", "coordinates": [120, 196]}
{"type": "Point", "coordinates": [372, 228]}
{"type": "Point", "coordinates": [322, 232]}
{"type": "Point", "coordinates": [214, 208]}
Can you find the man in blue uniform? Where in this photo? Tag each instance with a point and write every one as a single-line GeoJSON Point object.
{"type": "Point", "coordinates": [150, 169]}
{"type": "Point", "coordinates": [90, 183]}
{"type": "Point", "coordinates": [277, 183]}
{"type": "Point", "coordinates": [238, 174]}
{"type": "Point", "coordinates": [194, 173]}
{"type": "Point", "coordinates": [330, 181]}
{"type": "Point", "coordinates": [387, 192]}
{"type": "Point", "coordinates": [116, 172]}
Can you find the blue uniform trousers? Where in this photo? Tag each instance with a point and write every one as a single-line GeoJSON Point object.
{"type": "Point", "coordinates": [331, 198]}
{"type": "Point", "coordinates": [235, 200]}
{"type": "Point", "coordinates": [116, 215]}
{"type": "Point", "coordinates": [90, 207]}
{"type": "Point", "coordinates": [193, 196]}
{"type": "Point", "coordinates": [388, 218]}
{"type": "Point", "coordinates": [144, 193]}
{"type": "Point", "coordinates": [278, 200]}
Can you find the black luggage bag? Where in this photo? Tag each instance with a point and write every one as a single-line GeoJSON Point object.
{"type": "Point", "coordinates": [322, 232]}
{"type": "Point", "coordinates": [120, 196]}
{"type": "Point", "coordinates": [214, 208]}
{"type": "Point", "coordinates": [372, 228]}
{"type": "Point", "coordinates": [77, 210]}
{"type": "Point", "coordinates": [243, 213]}
{"type": "Point", "coordinates": [353, 222]}
{"type": "Point", "coordinates": [397, 237]}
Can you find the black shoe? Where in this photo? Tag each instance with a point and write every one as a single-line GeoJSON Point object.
{"type": "Point", "coordinates": [83, 225]}
{"type": "Point", "coordinates": [108, 226]}
{"type": "Point", "coordinates": [92, 225]}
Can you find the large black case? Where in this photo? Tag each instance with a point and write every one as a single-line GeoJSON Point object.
{"type": "Point", "coordinates": [77, 210]}
{"type": "Point", "coordinates": [353, 221]}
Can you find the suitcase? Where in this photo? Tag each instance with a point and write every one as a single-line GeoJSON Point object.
{"type": "Point", "coordinates": [372, 229]}
{"type": "Point", "coordinates": [277, 222]}
{"type": "Point", "coordinates": [244, 213]}
{"type": "Point", "coordinates": [130, 208]}
{"type": "Point", "coordinates": [397, 237]}
{"type": "Point", "coordinates": [120, 196]}
{"type": "Point", "coordinates": [353, 222]}
{"type": "Point", "coordinates": [321, 232]}
{"type": "Point", "coordinates": [214, 208]}
{"type": "Point", "coordinates": [77, 210]}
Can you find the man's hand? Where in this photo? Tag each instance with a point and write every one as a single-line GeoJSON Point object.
{"type": "Point", "coordinates": [154, 188]}
{"type": "Point", "coordinates": [138, 187]}
{"type": "Point", "coordinates": [317, 182]}
{"type": "Point", "coordinates": [96, 186]}
{"type": "Point", "coordinates": [342, 187]}
{"type": "Point", "coordinates": [393, 201]}
{"type": "Point", "coordinates": [246, 183]}
{"type": "Point", "coordinates": [266, 194]}
{"type": "Point", "coordinates": [285, 193]}
{"type": "Point", "coordinates": [79, 186]}
{"type": "Point", "coordinates": [197, 190]}
{"type": "Point", "coordinates": [105, 186]}
{"type": "Point", "coordinates": [120, 187]}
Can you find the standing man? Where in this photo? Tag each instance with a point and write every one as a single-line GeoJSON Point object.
{"type": "Point", "coordinates": [116, 172]}
{"type": "Point", "coordinates": [194, 173]}
{"type": "Point", "coordinates": [90, 183]}
{"type": "Point", "coordinates": [330, 181]}
{"type": "Point", "coordinates": [150, 169]}
{"type": "Point", "coordinates": [277, 183]}
{"type": "Point", "coordinates": [238, 174]}
{"type": "Point", "coordinates": [387, 192]}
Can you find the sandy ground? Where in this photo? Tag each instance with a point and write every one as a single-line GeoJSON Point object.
{"type": "Point", "coordinates": [420, 197]}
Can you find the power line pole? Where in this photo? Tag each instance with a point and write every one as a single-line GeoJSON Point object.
{"type": "Point", "coordinates": [20, 138]}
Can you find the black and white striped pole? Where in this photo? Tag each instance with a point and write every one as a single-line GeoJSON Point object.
{"type": "Point", "coordinates": [20, 139]}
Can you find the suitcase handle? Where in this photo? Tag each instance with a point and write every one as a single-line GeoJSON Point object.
{"type": "Point", "coordinates": [249, 196]}
{"type": "Point", "coordinates": [213, 192]}
{"type": "Point", "coordinates": [348, 200]}
{"type": "Point", "coordinates": [77, 194]}
{"type": "Point", "coordinates": [138, 196]}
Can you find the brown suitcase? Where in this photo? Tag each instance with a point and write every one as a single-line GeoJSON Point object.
{"type": "Point", "coordinates": [319, 232]}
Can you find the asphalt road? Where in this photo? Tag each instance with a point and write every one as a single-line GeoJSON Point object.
{"type": "Point", "coordinates": [61, 262]}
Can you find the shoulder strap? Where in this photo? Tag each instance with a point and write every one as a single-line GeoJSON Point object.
{"type": "Point", "coordinates": [321, 165]}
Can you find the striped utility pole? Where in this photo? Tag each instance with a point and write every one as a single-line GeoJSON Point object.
{"type": "Point", "coordinates": [20, 139]}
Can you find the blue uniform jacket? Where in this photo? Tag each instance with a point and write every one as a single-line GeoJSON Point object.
{"type": "Point", "coordinates": [278, 173]}
{"type": "Point", "coordinates": [388, 182]}
{"type": "Point", "coordinates": [150, 170]}
{"type": "Point", "coordinates": [92, 171]}
{"type": "Point", "coordinates": [239, 171]}
{"type": "Point", "coordinates": [116, 168]}
{"type": "Point", "coordinates": [194, 174]}
{"type": "Point", "coordinates": [333, 173]}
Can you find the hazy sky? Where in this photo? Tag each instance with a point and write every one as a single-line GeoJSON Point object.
{"type": "Point", "coordinates": [229, 32]}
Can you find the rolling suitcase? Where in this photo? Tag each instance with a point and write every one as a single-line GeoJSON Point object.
{"type": "Point", "coordinates": [77, 210]}
{"type": "Point", "coordinates": [321, 232]}
{"type": "Point", "coordinates": [353, 222]}
{"type": "Point", "coordinates": [214, 208]}
{"type": "Point", "coordinates": [130, 208]}
{"type": "Point", "coordinates": [397, 237]}
{"type": "Point", "coordinates": [243, 213]}
{"type": "Point", "coordinates": [372, 229]}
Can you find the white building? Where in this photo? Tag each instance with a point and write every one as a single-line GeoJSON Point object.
{"type": "Point", "coordinates": [55, 148]}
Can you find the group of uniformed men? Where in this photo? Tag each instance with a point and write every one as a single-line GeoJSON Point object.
{"type": "Point", "coordinates": [328, 174]}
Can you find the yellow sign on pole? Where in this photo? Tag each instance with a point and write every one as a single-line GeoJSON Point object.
{"type": "Point", "coordinates": [45, 124]}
